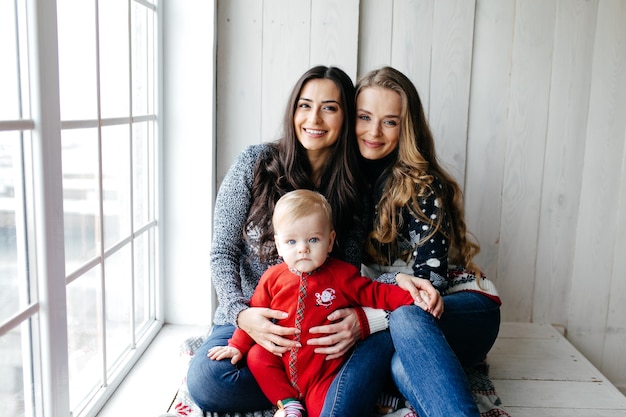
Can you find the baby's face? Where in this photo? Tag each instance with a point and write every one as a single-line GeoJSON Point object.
{"type": "Point", "coordinates": [304, 243]}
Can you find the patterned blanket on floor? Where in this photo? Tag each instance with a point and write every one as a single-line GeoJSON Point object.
{"type": "Point", "coordinates": [487, 399]}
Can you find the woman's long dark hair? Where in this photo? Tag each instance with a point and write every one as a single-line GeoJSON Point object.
{"type": "Point", "coordinates": [285, 167]}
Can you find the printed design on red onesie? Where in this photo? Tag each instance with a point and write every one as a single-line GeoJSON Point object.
{"type": "Point", "coordinates": [325, 298]}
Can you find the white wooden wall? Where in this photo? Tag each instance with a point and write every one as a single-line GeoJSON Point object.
{"type": "Point", "coordinates": [527, 102]}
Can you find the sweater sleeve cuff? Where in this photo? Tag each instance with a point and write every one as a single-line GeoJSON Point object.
{"type": "Point", "coordinates": [365, 327]}
{"type": "Point", "coordinates": [377, 319]}
{"type": "Point", "coordinates": [235, 310]}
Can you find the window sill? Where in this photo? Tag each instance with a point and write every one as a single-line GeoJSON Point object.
{"type": "Point", "coordinates": [151, 385]}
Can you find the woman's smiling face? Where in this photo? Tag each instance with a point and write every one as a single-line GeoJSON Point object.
{"type": "Point", "coordinates": [378, 116]}
{"type": "Point", "coordinates": [319, 115]}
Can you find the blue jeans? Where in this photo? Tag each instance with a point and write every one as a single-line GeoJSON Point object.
{"type": "Point", "coordinates": [361, 379]}
{"type": "Point", "coordinates": [470, 322]}
{"type": "Point", "coordinates": [220, 386]}
{"type": "Point", "coordinates": [426, 365]}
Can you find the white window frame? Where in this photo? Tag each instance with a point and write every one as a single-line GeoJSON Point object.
{"type": "Point", "coordinates": [188, 121]}
{"type": "Point", "coordinates": [46, 317]}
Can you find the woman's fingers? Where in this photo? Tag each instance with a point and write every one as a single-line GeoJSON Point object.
{"type": "Point", "coordinates": [339, 336]}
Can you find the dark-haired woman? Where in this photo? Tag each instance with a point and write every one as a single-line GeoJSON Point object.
{"type": "Point", "coordinates": [317, 151]}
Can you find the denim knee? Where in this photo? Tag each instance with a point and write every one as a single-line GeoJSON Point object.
{"type": "Point", "coordinates": [410, 315]}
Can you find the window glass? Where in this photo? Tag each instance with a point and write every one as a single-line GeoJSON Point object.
{"type": "Point", "coordinates": [142, 37]}
{"type": "Point", "coordinates": [116, 183]}
{"type": "Point", "coordinates": [84, 329]}
{"type": "Point", "coordinates": [143, 173]}
{"type": "Point", "coordinates": [15, 291]}
{"type": "Point", "coordinates": [114, 60]}
{"type": "Point", "coordinates": [9, 91]}
{"type": "Point", "coordinates": [77, 59]}
{"type": "Point", "coordinates": [119, 291]}
{"type": "Point", "coordinates": [10, 175]}
{"type": "Point", "coordinates": [12, 374]}
{"type": "Point", "coordinates": [144, 252]}
{"type": "Point", "coordinates": [80, 196]}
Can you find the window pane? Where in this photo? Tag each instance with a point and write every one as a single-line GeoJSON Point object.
{"type": "Point", "coordinates": [116, 183]}
{"type": "Point", "coordinates": [142, 50]}
{"type": "Point", "coordinates": [9, 81]}
{"type": "Point", "coordinates": [11, 374]}
{"type": "Point", "coordinates": [118, 285]}
{"type": "Point", "coordinates": [84, 333]}
{"type": "Point", "coordinates": [77, 59]}
{"type": "Point", "coordinates": [80, 196]}
{"type": "Point", "coordinates": [143, 175]}
{"type": "Point", "coordinates": [10, 176]}
{"type": "Point", "coordinates": [114, 61]}
{"type": "Point", "coordinates": [144, 280]}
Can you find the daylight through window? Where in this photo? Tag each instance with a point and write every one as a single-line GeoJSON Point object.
{"type": "Point", "coordinates": [86, 141]}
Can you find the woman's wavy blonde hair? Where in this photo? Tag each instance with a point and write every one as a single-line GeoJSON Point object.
{"type": "Point", "coordinates": [411, 177]}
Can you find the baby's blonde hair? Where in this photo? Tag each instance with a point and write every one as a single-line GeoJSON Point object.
{"type": "Point", "coordinates": [301, 203]}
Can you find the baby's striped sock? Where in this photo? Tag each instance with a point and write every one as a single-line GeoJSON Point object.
{"type": "Point", "coordinates": [290, 407]}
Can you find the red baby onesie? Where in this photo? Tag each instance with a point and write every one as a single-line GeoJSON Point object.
{"type": "Point", "coordinates": [334, 285]}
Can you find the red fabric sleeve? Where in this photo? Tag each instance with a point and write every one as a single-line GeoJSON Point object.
{"type": "Point", "coordinates": [365, 325]}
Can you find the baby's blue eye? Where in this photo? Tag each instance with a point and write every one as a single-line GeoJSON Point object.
{"type": "Point", "coordinates": [314, 240]}
{"type": "Point", "coordinates": [291, 242]}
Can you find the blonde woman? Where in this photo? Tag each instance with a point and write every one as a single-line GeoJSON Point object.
{"type": "Point", "coordinates": [418, 236]}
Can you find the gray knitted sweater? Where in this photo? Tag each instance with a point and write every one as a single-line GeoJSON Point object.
{"type": "Point", "coordinates": [235, 264]}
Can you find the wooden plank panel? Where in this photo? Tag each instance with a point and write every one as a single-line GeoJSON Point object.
{"type": "Point", "coordinates": [535, 369]}
{"type": "Point", "coordinates": [613, 358]}
{"type": "Point", "coordinates": [453, 33]}
{"type": "Point", "coordinates": [412, 43]}
{"type": "Point", "coordinates": [286, 56]}
{"type": "Point", "coordinates": [559, 394]}
{"type": "Point", "coordinates": [239, 58]}
{"type": "Point", "coordinates": [375, 34]}
{"type": "Point", "coordinates": [527, 126]}
{"type": "Point", "coordinates": [540, 359]}
{"type": "Point", "coordinates": [334, 34]}
{"type": "Point", "coordinates": [532, 369]}
{"type": "Point", "coordinates": [602, 170]}
{"type": "Point", "coordinates": [487, 126]}
{"type": "Point", "coordinates": [549, 349]}
{"type": "Point", "coordinates": [527, 330]}
{"type": "Point", "coordinates": [562, 412]}
{"type": "Point", "coordinates": [571, 75]}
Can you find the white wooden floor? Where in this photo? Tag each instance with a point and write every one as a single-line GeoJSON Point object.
{"type": "Point", "coordinates": [536, 371]}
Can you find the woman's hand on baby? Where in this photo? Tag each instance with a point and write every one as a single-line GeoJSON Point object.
{"type": "Point", "coordinates": [257, 322]}
{"type": "Point", "coordinates": [340, 336]}
{"type": "Point", "coordinates": [217, 353]}
{"type": "Point", "coordinates": [425, 295]}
